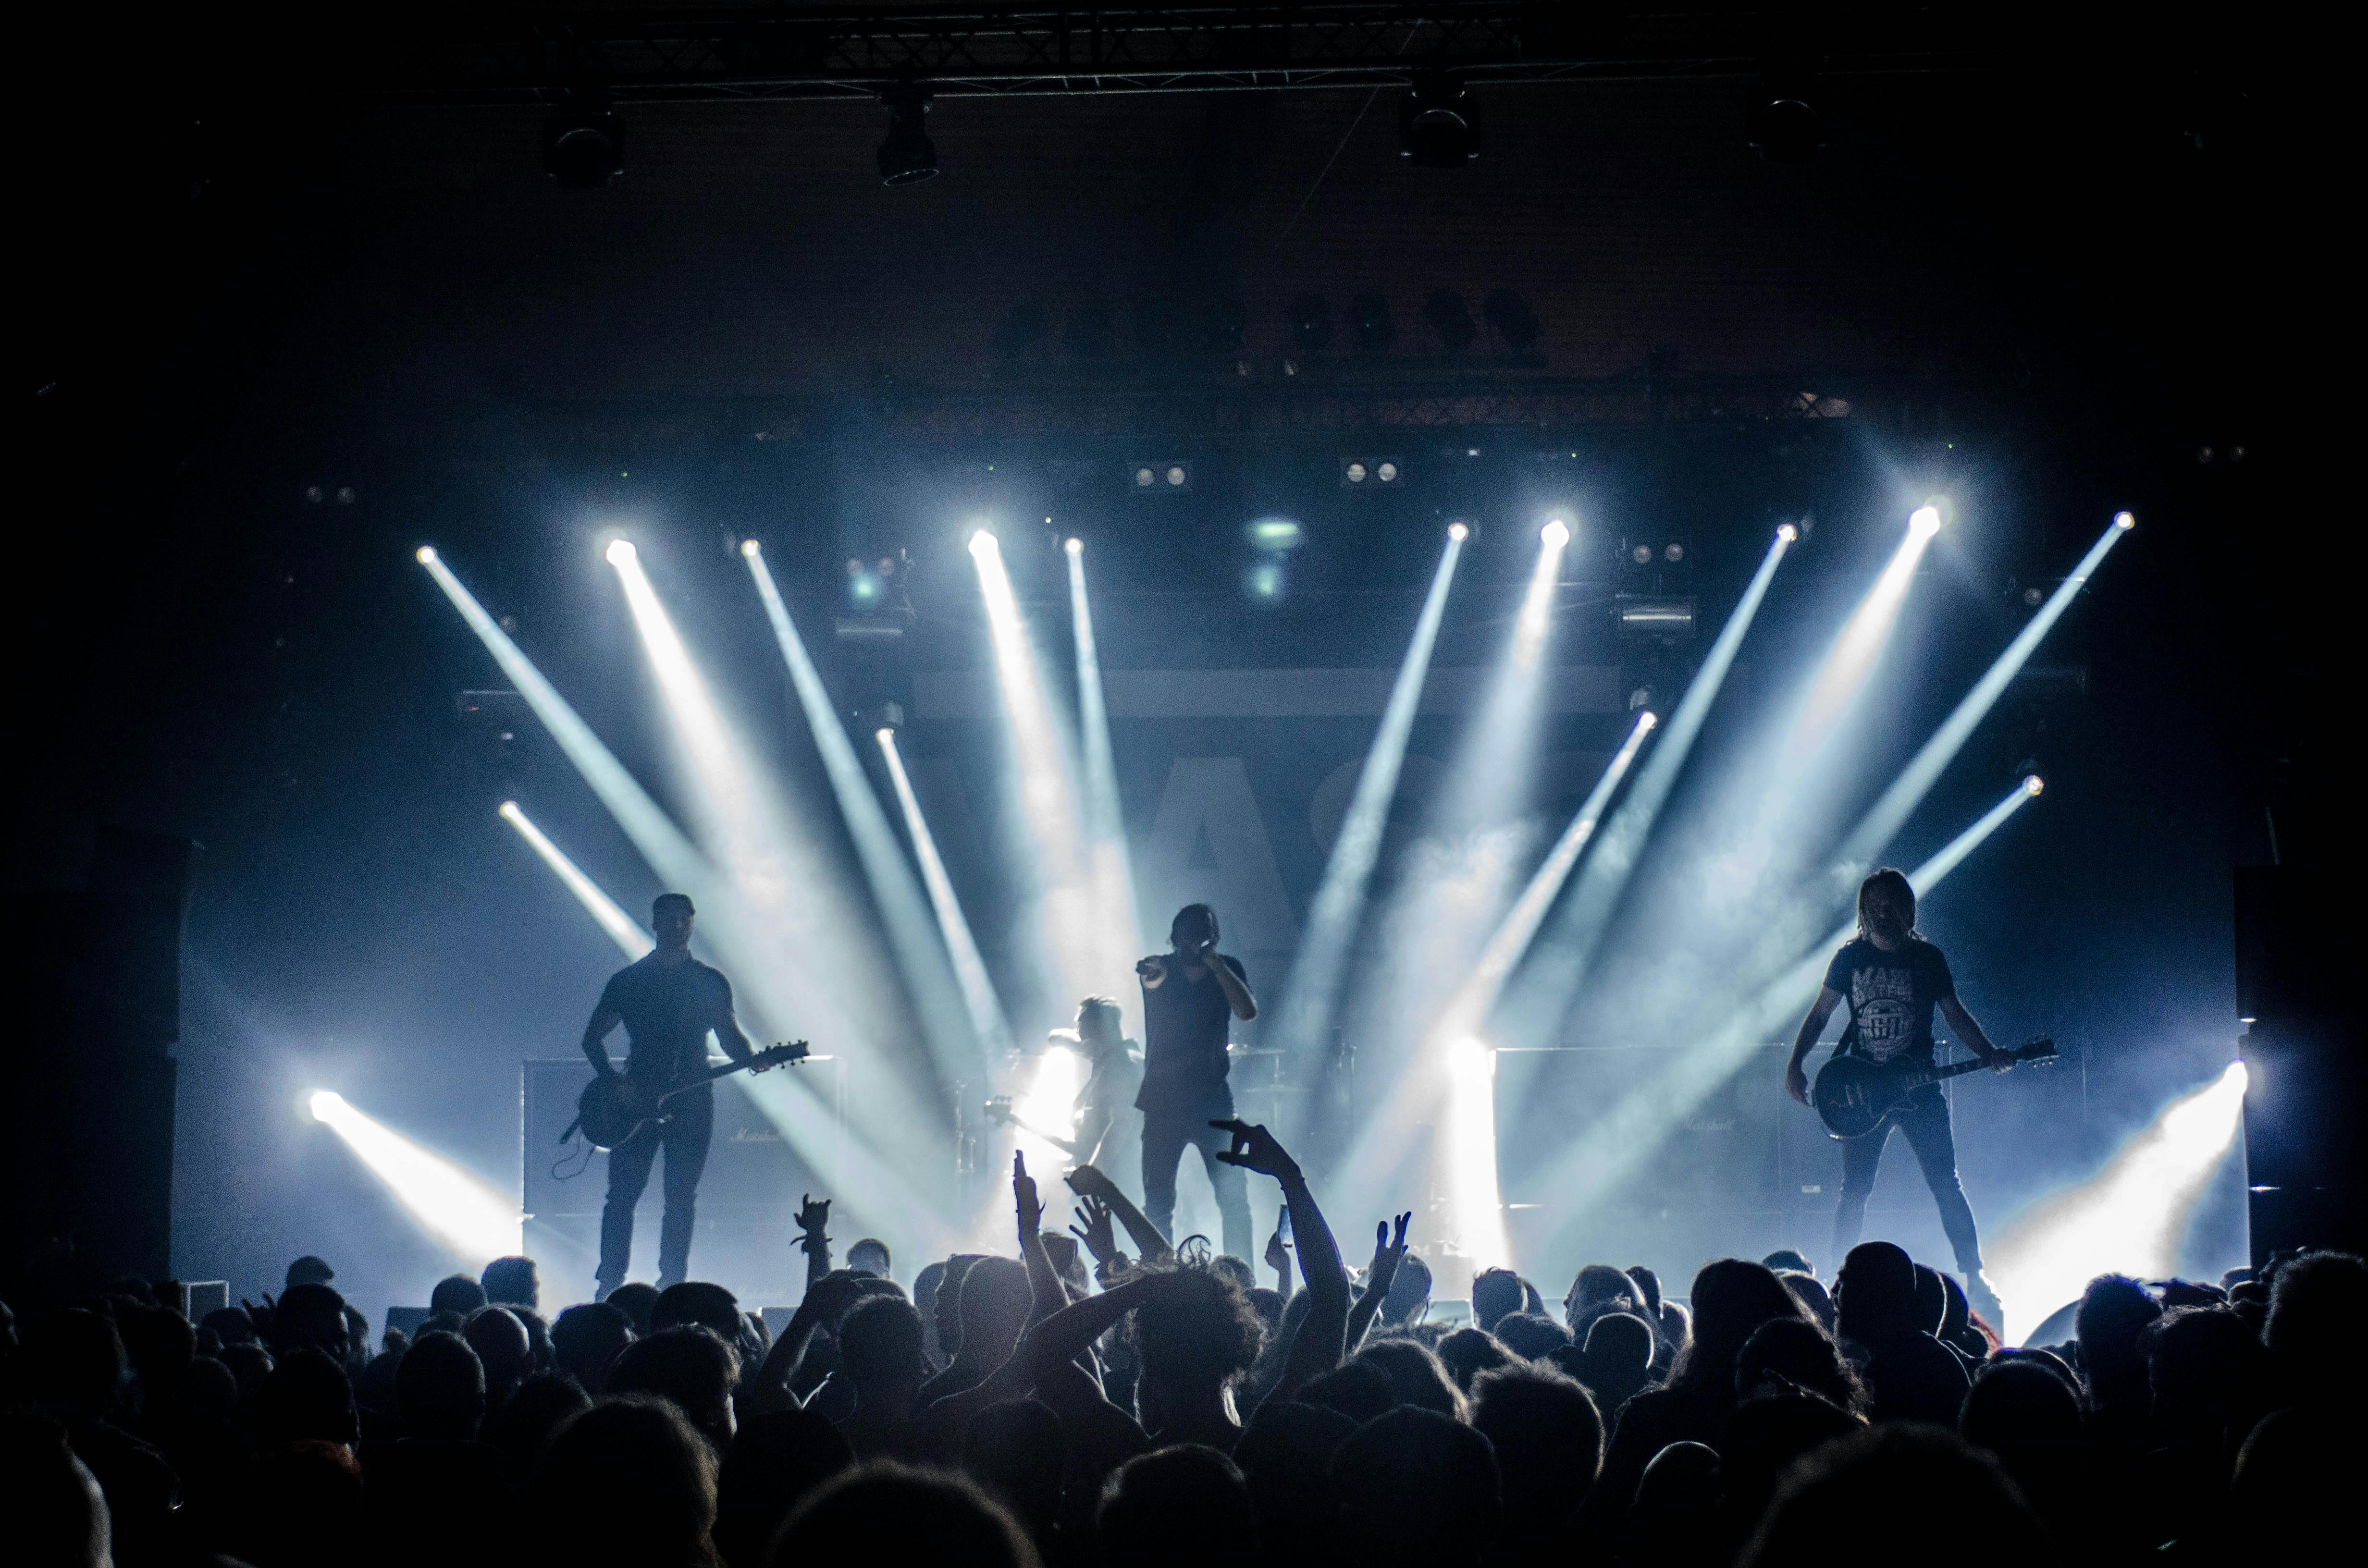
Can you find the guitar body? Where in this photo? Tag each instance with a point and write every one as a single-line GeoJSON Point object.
{"type": "Point", "coordinates": [610, 1111]}
{"type": "Point", "coordinates": [1852, 1096]}
{"type": "Point", "coordinates": [613, 1107]}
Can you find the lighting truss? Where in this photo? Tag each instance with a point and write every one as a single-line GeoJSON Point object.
{"type": "Point", "coordinates": [531, 57]}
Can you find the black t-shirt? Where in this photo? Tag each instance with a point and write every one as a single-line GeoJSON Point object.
{"type": "Point", "coordinates": [1185, 1023]}
{"type": "Point", "coordinates": [1891, 998]}
{"type": "Point", "coordinates": [667, 1009]}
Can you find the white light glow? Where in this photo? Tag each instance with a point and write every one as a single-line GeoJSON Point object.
{"type": "Point", "coordinates": [970, 970]}
{"type": "Point", "coordinates": [954, 1042]}
{"type": "Point", "coordinates": [1458, 532]}
{"type": "Point", "coordinates": [629, 938]}
{"type": "Point", "coordinates": [1788, 533]}
{"type": "Point", "coordinates": [1476, 1206]}
{"type": "Point", "coordinates": [1555, 534]}
{"type": "Point", "coordinates": [1339, 906]}
{"type": "Point", "coordinates": [750, 549]}
{"type": "Point", "coordinates": [473, 1220]}
{"type": "Point", "coordinates": [1051, 1102]}
{"type": "Point", "coordinates": [1925, 520]}
{"type": "Point", "coordinates": [1537, 604]}
{"type": "Point", "coordinates": [2129, 1218]}
{"type": "Point", "coordinates": [2124, 520]}
{"type": "Point", "coordinates": [426, 553]}
{"type": "Point", "coordinates": [1843, 674]}
{"type": "Point", "coordinates": [1075, 947]}
{"type": "Point", "coordinates": [1075, 547]}
{"type": "Point", "coordinates": [1108, 862]}
{"type": "Point", "coordinates": [620, 551]}
{"type": "Point", "coordinates": [2034, 783]}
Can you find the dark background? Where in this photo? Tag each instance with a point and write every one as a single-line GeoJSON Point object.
{"type": "Point", "coordinates": [2065, 284]}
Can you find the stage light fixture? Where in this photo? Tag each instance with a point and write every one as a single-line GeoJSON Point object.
{"type": "Point", "coordinates": [1266, 580]}
{"type": "Point", "coordinates": [619, 551]}
{"type": "Point", "coordinates": [2124, 521]}
{"type": "Point", "coordinates": [2034, 783]}
{"type": "Point", "coordinates": [1459, 532]}
{"type": "Point", "coordinates": [1073, 546]}
{"type": "Point", "coordinates": [1650, 616]}
{"type": "Point", "coordinates": [1556, 534]}
{"type": "Point", "coordinates": [1439, 125]}
{"type": "Point", "coordinates": [1642, 555]}
{"type": "Point", "coordinates": [583, 146]}
{"type": "Point", "coordinates": [906, 154]}
{"type": "Point", "coordinates": [1788, 533]}
{"type": "Point", "coordinates": [1386, 471]}
{"type": "Point", "coordinates": [749, 548]}
{"type": "Point", "coordinates": [1673, 551]}
{"type": "Point", "coordinates": [425, 554]}
{"type": "Point", "coordinates": [1925, 520]}
{"type": "Point", "coordinates": [1354, 472]}
{"type": "Point", "coordinates": [1145, 476]}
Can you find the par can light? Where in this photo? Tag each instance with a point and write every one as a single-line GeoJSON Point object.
{"type": "Point", "coordinates": [426, 553]}
{"type": "Point", "coordinates": [619, 551]}
{"type": "Point", "coordinates": [2124, 520]}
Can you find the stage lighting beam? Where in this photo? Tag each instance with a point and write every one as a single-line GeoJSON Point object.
{"type": "Point", "coordinates": [970, 970]}
{"type": "Point", "coordinates": [960, 1050]}
{"type": "Point", "coordinates": [2130, 1218]}
{"type": "Point", "coordinates": [631, 939]}
{"type": "Point", "coordinates": [1340, 904]}
{"type": "Point", "coordinates": [1562, 960]}
{"type": "Point", "coordinates": [470, 1218]}
{"type": "Point", "coordinates": [1475, 1203]}
{"type": "Point", "coordinates": [1112, 868]}
{"type": "Point", "coordinates": [1843, 674]}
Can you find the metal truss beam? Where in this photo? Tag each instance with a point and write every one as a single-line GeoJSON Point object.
{"type": "Point", "coordinates": [656, 57]}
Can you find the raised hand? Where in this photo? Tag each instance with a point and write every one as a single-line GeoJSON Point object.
{"type": "Point", "coordinates": [1087, 1181]}
{"type": "Point", "coordinates": [813, 1221]}
{"type": "Point", "coordinates": [1384, 1248]}
{"type": "Point", "coordinates": [1024, 1201]}
{"type": "Point", "coordinates": [1098, 1230]}
{"type": "Point", "coordinates": [1277, 1255]}
{"type": "Point", "coordinates": [1256, 1148]}
{"type": "Point", "coordinates": [1150, 971]}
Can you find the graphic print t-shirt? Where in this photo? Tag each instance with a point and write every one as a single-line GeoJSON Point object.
{"type": "Point", "coordinates": [667, 1011]}
{"type": "Point", "coordinates": [1891, 998]}
{"type": "Point", "coordinates": [1186, 1022]}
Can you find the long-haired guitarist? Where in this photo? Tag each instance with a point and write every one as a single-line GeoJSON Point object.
{"type": "Point", "coordinates": [668, 1002]}
{"type": "Point", "coordinates": [1893, 979]}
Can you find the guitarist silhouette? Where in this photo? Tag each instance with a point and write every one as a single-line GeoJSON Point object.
{"type": "Point", "coordinates": [1893, 979]}
{"type": "Point", "coordinates": [668, 1002]}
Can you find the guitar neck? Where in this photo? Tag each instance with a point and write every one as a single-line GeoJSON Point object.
{"type": "Point", "coordinates": [1934, 1074]}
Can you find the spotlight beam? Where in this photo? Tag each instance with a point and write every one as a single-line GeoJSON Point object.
{"type": "Point", "coordinates": [1562, 960]}
{"type": "Point", "coordinates": [987, 1021]}
{"type": "Point", "coordinates": [1340, 904]}
{"type": "Point", "coordinates": [1841, 675]}
{"type": "Point", "coordinates": [631, 939]}
{"type": "Point", "coordinates": [1111, 867]}
{"type": "Point", "coordinates": [471, 1219]}
{"type": "Point", "coordinates": [1082, 953]}
{"type": "Point", "coordinates": [2130, 1217]}
{"type": "Point", "coordinates": [1891, 810]}
{"type": "Point", "coordinates": [1630, 1134]}
{"type": "Point", "coordinates": [958, 1047]}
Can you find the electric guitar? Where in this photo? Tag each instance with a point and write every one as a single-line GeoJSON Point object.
{"type": "Point", "coordinates": [1852, 1095]}
{"type": "Point", "coordinates": [612, 1109]}
{"type": "Point", "coordinates": [1001, 1109]}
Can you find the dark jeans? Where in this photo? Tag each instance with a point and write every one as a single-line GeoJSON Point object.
{"type": "Point", "coordinates": [685, 1134]}
{"type": "Point", "coordinates": [1165, 1136]}
{"type": "Point", "coordinates": [1925, 1119]}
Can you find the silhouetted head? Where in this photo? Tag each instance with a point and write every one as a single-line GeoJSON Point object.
{"type": "Point", "coordinates": [1415, 1374]}
{"type": "Point", "coordinates": [76, 1364]}
{"type": "Point", "coordinates": [886, 1512]}
{"type": "Point", "coordinates": [1730, 1297]}
{"type": "Point", "coordinates": [1194, 1337]}
{"type": "Point", "coordinates": [1410, 1293]}
{"type": "Point", "coordinates": [1529, 1336]}
{"type": "Point", "coordinates": [775, 1462]}
{"type": "Point", "coordinates": [1495, 1293]}
{"type": "Point", "coordinates": [1355, 1388]}
{"type": "Point", "coordinates": [457, 1294]}
{"type": "Point", "coordinates": [2113, 1310]}
{"type": "Point", "coordinates": [306, 1399]}
{"type": "Point", "coordinates": [1887, 908]}
{"type": "Point", "coordinates": [56, 1513]}
{"type": "Point", "coordinates": [689, 1366]}
{"type": "Point", "coordinates": [1415, 1487]}
{"type": "Point", "coordinates": [511, 1282]}
{"type": "Point", "coordinates": [231, 1326]}
{"type": "Point", "coordinates": [1285, 1454]}
{"type": "Point", "coordinates": [870, 1255]}
{"type": "Point", "coordinates": [502, 1348]}
{"type": "Point", "coordinates": [1016, 1450]}
{"type": "Point", "coordinates": [1874, 1294]}
{"type": "Point", "coordinates": [637, 1300]}
{"type": "Point", "coordinates": [696, 1303]}
{"type": "Point", "coordinates": [2026, 1413]}
{"type": "Point", "coordinates": [1099, 1025]}
{"type": "Point", "coordinates": [1931, 1300]}
{"type": "Point", "coordinates": [1175, 1508]}
{"type": "Point", "coordinates": [671, 917]}
{"type": "Point", "coordinates": [1765, 1436]}
{"type": "Point", "coordinates": [1599, 1289]}
{"type": "Point", "coordinates": [587, 1340]}
{"type": "Point", "coordinates": [158, 1342]}
{"type": "Point", "coordinates": [309, 1270]}
{"type": "Point", "coordinates": [535, 1410]}
{"type": "Point", "coordinates": [2208, 1372]}
{"type": "Point", "coordinates": [1813, 1296]}
{"type": "Point", "coordinates": [1648, 1290]}
{"type": "Point", "coordinates": [880, 1350]}
{"type": "Point", "coordinates": [1787, 1353]}
{"type": "Point", "coordinates": [994, 1299]}
{"type": "Point", "coordinates": [439, 1388]}
{"type": "Point", "coordinates": [1548, 1438]}
{"type": "Point", "coordinates": [1880, 1484]}
{"type": "Point", "coordinates": [1468, 1352]}
{"type": "Point", "coordinates": [1785, 1260]}
{"type": "Point", "coordinates": [311, 1315]}
{"type": "Point", "coordinates": [626, 1484]}
{"type": "Point", "coordinates": [1194, 925]}
{"type": "Point", "coordinates": [2318, 1304]}
{"type": "Point", "coordinates": [946, 1314]}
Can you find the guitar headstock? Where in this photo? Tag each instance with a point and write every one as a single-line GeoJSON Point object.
{"type": "Point", "coordinates": [2038, 1052]}
{"type": "Point", "coordinates": [787, 1053]}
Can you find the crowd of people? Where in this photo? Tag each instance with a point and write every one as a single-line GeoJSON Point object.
{"type": "Point", "coordinates": [1097, 1396]}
